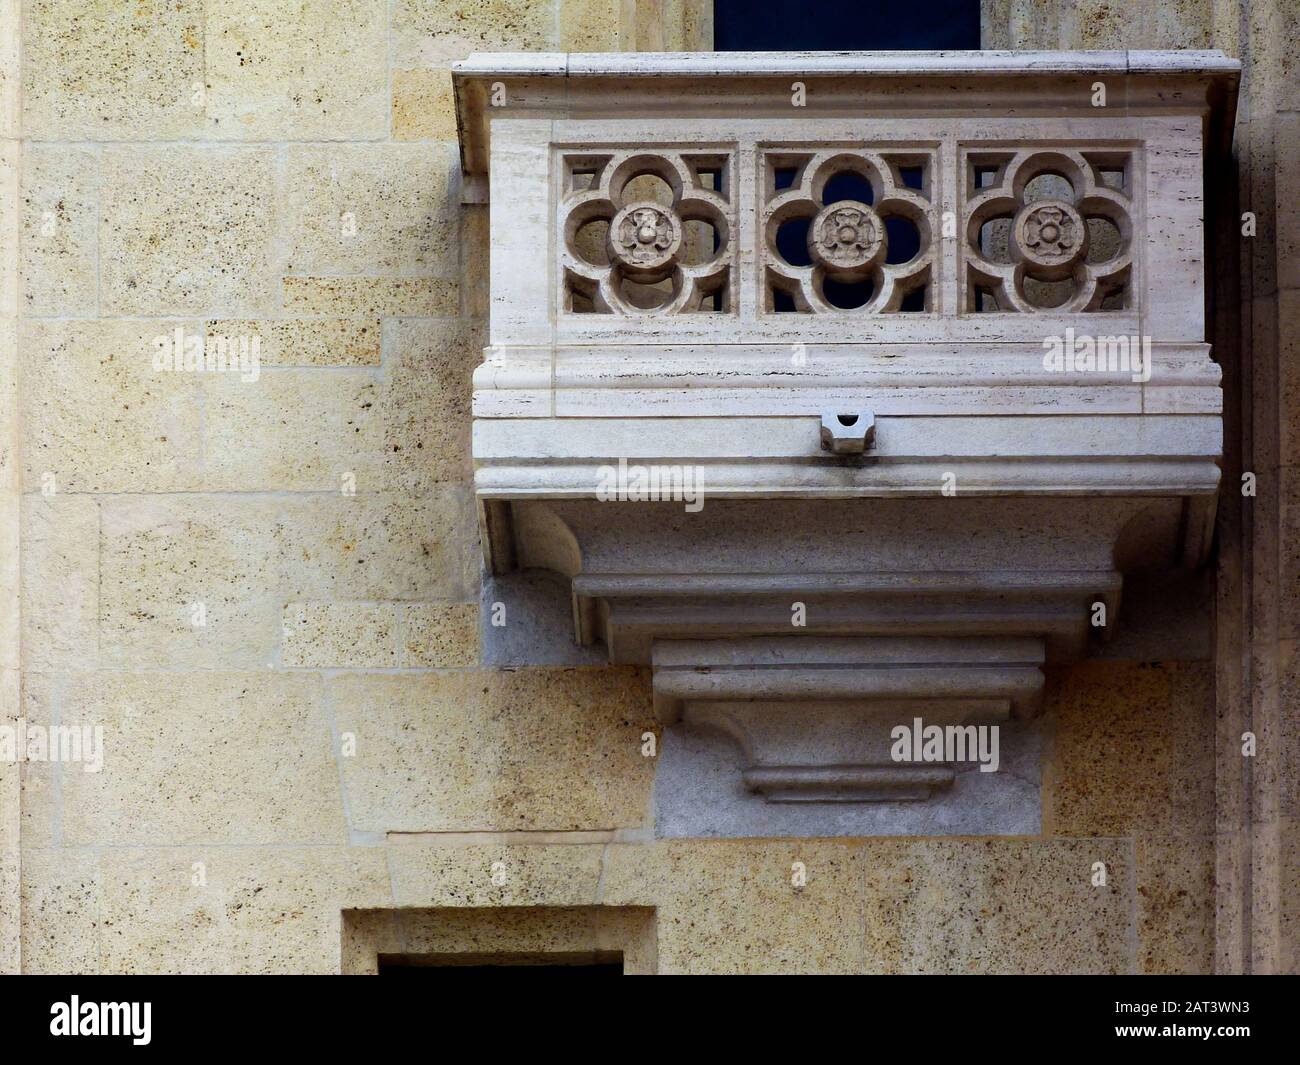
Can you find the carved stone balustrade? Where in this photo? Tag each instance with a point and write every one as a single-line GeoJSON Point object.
{"type": "Point", "coordinates": [908, 351]}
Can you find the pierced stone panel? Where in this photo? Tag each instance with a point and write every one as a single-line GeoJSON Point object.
{"type": "Point", "coordinates": [847, 230]}
{"type": "Point", "coordinates": [646, 232]}
{"type": "Point", "coordinates": [1048, 231]}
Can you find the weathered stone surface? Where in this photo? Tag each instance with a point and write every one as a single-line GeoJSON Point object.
{"type": "Point", "coordinates": [369, 209]}
{"type": "Point", "coordinates": [187, 229]}
{"type": "Point", "coordinates": [99, 417]}
{"type": "Point", "coordinates": [233, 910]}
{"type": "Point", "coordinates": [530, 875]}
{"type": "Point", "coordinates": [293, 430]}
{"type": "Point", "coordinates": [1175, 899]}
{"type": "Point", "coordinates": [985, 906]}
{"type": "Point", "coordinates": [425, 398]}
{"type": "Point", "coordinates": [341, 635]}
{"type": "Point", "coordinates": [756, 920]}
{"type": "Point", "coordinates": [296, 69]}
{"type": "Point", "coordinates": [539, 749]}
{"type": "Point", "coordinates": [169, 563]}
{"type": "Point", "coordinates": [369, 297]}
{"type": "Point", "coordinates": [60, 560]}
{"type": "Point", "coordinates": [308, 342]}
{"type": "Point", "coordinates": [59, 241]}
{"type": "Point", "coordinates": [386, 546]}
{"type": "Point", "coordinates": [423, 106]}
{"type": "Point", "coordinates": [434, 32]}
{"type": "Point", "coordinates": [113, 71]}
{"type": "Point", "coordinates": [442, 635]}
{"type": "Point", "coordinates": [61, 892]}
{"type": "Point", "coordinates": [255, 750]}
{"type": "Point", "coordinates": [1131, 753]}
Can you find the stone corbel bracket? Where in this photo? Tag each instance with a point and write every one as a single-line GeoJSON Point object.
{"type": "Point", "coordinates": [814, 718]}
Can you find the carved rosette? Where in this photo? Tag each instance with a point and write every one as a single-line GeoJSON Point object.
{"type": "Point", "coordinates": [847, 239]}
{"type": "Point", "coordinates": [1049, 240]}
{"type": "Point", "coordinates": [645, 239]}
{"type": "Point", "coordinates": [648, 262]}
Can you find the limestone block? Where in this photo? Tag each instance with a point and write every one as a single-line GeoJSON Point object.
{"type": "Point", "coordinates": [370, 297]}
{"type": "Point", "coordinates": [60, 589]}
{"type": "Point", "coordinates": [308, 342]}
{"type": "Point", "coordinates": [426, 397]}
{"type": "Point", "coordinates": [293, 430]}
{"type": "Point", "coordinates": [386, 546]}
{"type": "Point", "coordinates": [475, 260]}
{"type": "Point", "coordinates": [433, 32]}
{"type": "Point", "coordinates": [595, 26]}
{"type": "Point", "coordinates": [252, 910]}
{"type": "Point", "coordinates": [296, 69]}
{"type": "Point", "coordinates": [991, 906]}
{"type": "Point", "coordinates": [536, 749]}
{"type": "Point", "coordinates": [61, 891]}
{"type": "Point", "coordinates": [202, 758]}
{"type": "Point", "coordinates": [341, 635]}
{"type": "Point", "coordinates": [106, 70]}
{"type": "Point", "coordinates": [373, 209]}
{"type": "Point", "coordinates": [59, 244]}
{"type": "Point", "coordinates": [1175, 899]}
{"type": "Point", "coordinates": [442, 635]}
{"type": "Point", "coordinates": [189, 582]}
{"type": "Point", "coordinates": [423, 106]}
{"type": "Point", "coordinates": [754, 920]}
{"type": "Point", "coordinates": [188, 229]}
{"type": "Point", "coordinates": [38, 794]}
{"type": "Point", "coordinates": [1131, 753]}
{"type": "Point", "coordinates": [480, 875]}
{"type": "Point", "coordinates": [99, 417]}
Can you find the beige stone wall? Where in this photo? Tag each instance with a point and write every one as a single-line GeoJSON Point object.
{"type": "Point", "coordinates": [326, 741]}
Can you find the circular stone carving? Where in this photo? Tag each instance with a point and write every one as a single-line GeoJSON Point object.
{"type": "Point", "coordinates": [645, 238]}
{"type": "Point", "coordinates": [1051, 237]}
{"type": "Point", "coordinates": [847, 236]}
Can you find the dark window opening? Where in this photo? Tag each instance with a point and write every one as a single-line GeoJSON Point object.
{"type": "Point", "coordinates": [839, 25]}
{"type": "Point", "coordinates": [597, 963]}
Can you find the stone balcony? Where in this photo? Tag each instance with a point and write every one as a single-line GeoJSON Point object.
{"type": "Point", "coordinates": [843, 389]}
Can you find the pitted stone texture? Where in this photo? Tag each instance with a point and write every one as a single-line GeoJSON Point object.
{"type": "Point", "coordinates": [168, 563]}
{"type": "Point", "coordinates": [441, 635]}
{"type": "Point", "coordinates": [293, 430]}
{"type": "Point", "coordinates": [423, 106]}
{"type": "Point", "coordinates": [369, 209]}
{"type": "Point", "coordinates": [60, 582]}
{"type": "Point", "coordinates": [258, 910]}
{"type": "Point", "coordinates": [187, 229]}
{"type": "Point", "coordinates": [435, 32]}
{"type": "Point", "coordinates": [99, 417]}
{"type": "Point", "coordinates": [1133, 750]}
{"type": "Point", "coordinates": [754, 920]}
{"type": "Point", "coordinates": [59, 242]}
{"type": "Point", "coordinates": [985, 906]}
{"type": "Point", "coordinates": [370, 297]}
{"type": "Point", "coordinates": [296, 69]}
{"type": "Point", "coordinates": [341, 635]}
{"type": "Point", "coordinates": [202, 758]}
{"type": "Point", "coordinates": [101, 69]}
{"type": "Point", "coordinates": [1175, 887]}
{"type": "Point", "coordinates": [61, 893]}
{"type": "Point", "coordinates": [425, 398]}
{"type": "Point", "coordinates": [538, 749]}
{"type": "Point", "coordinates": [308, 342]}
{"type": "Point", "coordinates": [485, 875]}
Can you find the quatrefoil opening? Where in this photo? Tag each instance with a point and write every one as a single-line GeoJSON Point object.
{"type": "Point", "coordinates": [1048, 231]}
{"type": "Point", "coordinates": [847, 202]}
{"type": "Point", "coordinates": [646, 233]}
